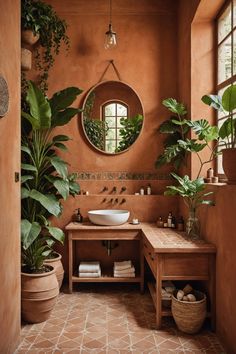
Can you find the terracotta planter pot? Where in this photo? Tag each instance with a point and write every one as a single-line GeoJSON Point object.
{"type": "Point", "coordinates": [28, 37]}
{"type": "Point", "coordinates": [38, 295]}
{"type": "Point", "coordinates": [57, 265]}
{"type": "Point", "coordinates": [229, 164]}
{"type": "Point", "coordinates": [26, 59]}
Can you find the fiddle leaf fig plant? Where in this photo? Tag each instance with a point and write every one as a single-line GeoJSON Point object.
{"type": "Point", "coordinates": [129, 132]}
{"type": "Point", "coordinates": [225, 104]}
{"type": "Point", "coordinates": [45, 179]}
{"type": "Point", "coordinates": [177, 144]}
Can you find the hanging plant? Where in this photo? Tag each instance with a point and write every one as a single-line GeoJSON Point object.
{"type": "Point", "coordinates": [43, 20]}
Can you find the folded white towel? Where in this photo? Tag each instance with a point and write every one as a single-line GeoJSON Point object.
{"type": "Point", "coordinates": [90, 275]}
{"type": "Point", "coordinates": [89, 267]}
{"type": "Point", "coordinates": [125, 275]}
{"type": "Point", "coordinates": [122, 265]}
{"type": "Point", "coordinates": [122, 271]}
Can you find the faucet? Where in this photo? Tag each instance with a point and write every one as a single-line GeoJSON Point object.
{"type": "Point", "coordinates": [114, 189]}
{"type": "Point", "coordinates": [123, 201]}
{"type": "Point", "coordinates": [105, 189]}
{"type": "Point", "coordinates": [123, 189]}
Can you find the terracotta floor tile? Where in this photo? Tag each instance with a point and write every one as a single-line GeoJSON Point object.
{"type": "Point", "coordinates": [110, 320]}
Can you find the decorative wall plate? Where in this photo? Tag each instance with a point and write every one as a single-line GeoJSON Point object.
{"type": "Point", "coordinates": [4, 97]}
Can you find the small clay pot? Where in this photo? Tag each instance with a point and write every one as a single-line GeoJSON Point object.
{"type": "Point", "coordinates": [28, 37]}
{"type": "Point", "coordinates": [26, 59]}
{"type": "Point", "coordinates": [229, 164]}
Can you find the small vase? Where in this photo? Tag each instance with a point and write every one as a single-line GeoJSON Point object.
{"type": "Point", "coordinates": [193, 225]}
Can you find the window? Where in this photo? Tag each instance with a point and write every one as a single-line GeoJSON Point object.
{"type": "Point", "coordinates": [226, 57]}
{"type": "Point", "coordinates": [112, 112]}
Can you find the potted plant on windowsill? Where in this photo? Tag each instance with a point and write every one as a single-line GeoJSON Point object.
{"type": "Point", "coordinates": [227, 132]}
{"type": "Point", "coordinates": [48, 29]}
{"type": "Point", "coordinates": [45, 181]}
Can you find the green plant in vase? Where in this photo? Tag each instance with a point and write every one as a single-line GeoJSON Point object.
{"type": "Point", "coordinates": [45, 180]}
{"type": "Point", "coordinates": [129, 132]}
{"type": "Point", "coordinates": [177, 147]}
{"type": "Point", "coordinates": [193, 194]}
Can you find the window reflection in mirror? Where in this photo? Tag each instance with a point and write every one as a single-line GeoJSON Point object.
{"type": "Point", "coordinates": [112, 116]}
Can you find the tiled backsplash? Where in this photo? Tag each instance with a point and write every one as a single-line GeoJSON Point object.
{"type": "Point", "coordinates": [138, 176]}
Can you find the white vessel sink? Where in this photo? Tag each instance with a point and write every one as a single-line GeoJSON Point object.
{"type": "Point", "coordinates": [108, 217]}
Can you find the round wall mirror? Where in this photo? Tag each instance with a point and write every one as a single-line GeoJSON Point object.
{"type": "Point", "coordinates": [112, 116]}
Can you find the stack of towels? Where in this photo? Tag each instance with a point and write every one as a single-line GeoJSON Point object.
{"type": "Point", "coordinates": [124, 269]}
{"type": "Point", "coordinates": [89, 270]}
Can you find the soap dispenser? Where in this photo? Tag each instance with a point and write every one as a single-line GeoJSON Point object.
{"type": "Point", "coordinates": [77, 217]}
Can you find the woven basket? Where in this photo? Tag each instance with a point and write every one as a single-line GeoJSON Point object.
{"type": "Point", "coordinates": [189, 316]}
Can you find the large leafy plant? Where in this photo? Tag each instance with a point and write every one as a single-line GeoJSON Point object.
{"type": "Point", "coordinates": [177, 144]}
{"type": "Point", "coordinates": [129, 132]}
{"type": "Point", "coordinates": [225, 104]}
{"type": "Point", "coordinates": [41, 18]}
{"type": "Point", "coordinates": [45, 179]}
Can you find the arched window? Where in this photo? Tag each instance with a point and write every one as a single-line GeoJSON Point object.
{"type": "Point", "coordinates": [112, 112]}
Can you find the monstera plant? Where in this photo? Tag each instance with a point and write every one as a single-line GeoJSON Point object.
{"type": "Point", "coordinates": [45, 179]}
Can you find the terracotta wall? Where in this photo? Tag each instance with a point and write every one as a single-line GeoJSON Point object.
{"type": "Point", "coordinates": [146, 60]}
{"type": "Point", "coordinates": [196, 79]}
{"type": "Point", "coordinates": [9, 190]}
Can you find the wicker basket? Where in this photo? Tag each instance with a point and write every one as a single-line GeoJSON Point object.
{"type": "Point", "coordinates": [189, 316]}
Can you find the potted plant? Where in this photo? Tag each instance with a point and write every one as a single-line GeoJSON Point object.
{"type": "Point", "coordinates": [40, 18]}
{"type": "Point", "coordinates": [227, 132]}
{"type": "Point", "coordinates": [193, 194]}
{"type": "Point", "coordinates": [45, 181]}
{"type": "Point", "coordinates": [177, 145]}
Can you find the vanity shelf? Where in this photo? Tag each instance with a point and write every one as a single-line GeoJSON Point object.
{"type": "Point", "coordinates": [106, 279]}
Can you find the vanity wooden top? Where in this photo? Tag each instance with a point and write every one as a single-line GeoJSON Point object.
{"type": "Point", "coordinates": [162, 240]}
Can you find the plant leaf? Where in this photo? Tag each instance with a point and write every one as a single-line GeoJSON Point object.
{"type": "Point", "coordinates": [59, 165]}
{"type": "Point", "coordinates": [229, 98]}
{"type": "Point", "coordinates": [29, 232]}
{"type": "Point", "coordinates": [64, 98]}
{"type": "Point", "coordinates": [64, 117]}
{"type": "Point", "coordinates": [49, 202]}
{"type": "Point", "coordinates": [57, 233]}
{"type": "Point", "coordinates": [174, 106]}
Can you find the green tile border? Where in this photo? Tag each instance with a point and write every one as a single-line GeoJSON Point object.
{"type": "Point", "coordinates": [132, 176]}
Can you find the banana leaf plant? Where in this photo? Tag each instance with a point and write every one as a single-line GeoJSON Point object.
{"type": "Point", "coordinates": [45, 180]}
{"type": "Point", "coordinates": [226, 105]}
{"type": "Point", "coordinates": [177, 144]}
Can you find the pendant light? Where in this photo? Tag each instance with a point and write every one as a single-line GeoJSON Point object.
{"type": "Point", "coordinates": [110, 36]}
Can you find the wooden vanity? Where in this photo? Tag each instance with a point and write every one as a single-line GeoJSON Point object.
{"type": "Point", "coordinates": [169, 254]}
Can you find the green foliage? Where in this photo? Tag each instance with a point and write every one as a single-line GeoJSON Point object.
{"type": "Point", "coordinates": [96, 131]}
{"type": "Point", "coordinates": [45, 179]}
{"type": "Point", "coordinates": [225, 104]}
{"type": "Point", "coordinates": [129, 132]}
{"type": "Point", "coordinates": [40, 17]}
{"type": "Point", "coordinates": [193, 192]}
{"type": "Point", "coordinates": [177, 145]}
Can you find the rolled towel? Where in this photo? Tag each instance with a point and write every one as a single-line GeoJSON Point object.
{"type": "Point", "coordinates": [122, 265]}
{"type": "Point", "coordinates": [90, 275]}
{"type": "Point", "coordinates": [122, 271]}
{"type": "Point", "coordinates": [89, 267]}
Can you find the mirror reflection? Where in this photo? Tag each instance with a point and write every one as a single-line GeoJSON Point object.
{"type": "Point", "coordinates": [112, 116]}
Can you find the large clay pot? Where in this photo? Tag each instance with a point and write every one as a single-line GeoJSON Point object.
{"type": "Point", "coordinates": [229, 164]}
{"type": "Point", "coordinates": [28, 37]}
{"type": "Point", "coordinates": [38, 295]}
{"type": "Point", "coordinates": [57, 265]}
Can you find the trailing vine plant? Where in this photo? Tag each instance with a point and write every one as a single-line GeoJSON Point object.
{"type": "Point", "coordinates": [43, 20]}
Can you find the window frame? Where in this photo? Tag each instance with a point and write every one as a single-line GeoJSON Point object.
{"type": "Point", "coordinates": [103, 106]}
{"type": "Point", "coordinates": [232, 78]}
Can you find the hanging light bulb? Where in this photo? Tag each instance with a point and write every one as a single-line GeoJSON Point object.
{"type": "Point", "coordinates": [110, 36]}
